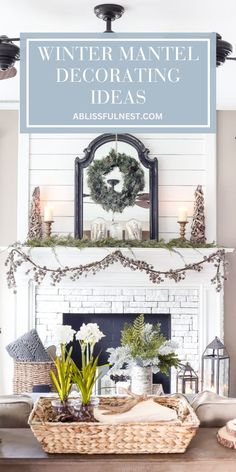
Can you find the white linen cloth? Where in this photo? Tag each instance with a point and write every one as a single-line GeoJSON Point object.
{"type": "Point", "coordinates": [144, 412]}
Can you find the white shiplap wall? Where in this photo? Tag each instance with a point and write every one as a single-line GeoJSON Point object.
{"type": "Point", "coordinates": [185, 160]}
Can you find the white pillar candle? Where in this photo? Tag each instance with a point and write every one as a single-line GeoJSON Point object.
{"type": "Point", "coordinates": [48, 213]}
{"type": "Point", "coordinates": [183, 214]}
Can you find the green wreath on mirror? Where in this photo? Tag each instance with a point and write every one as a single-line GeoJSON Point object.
{"type": "Point", "coordinates": [105, 194]}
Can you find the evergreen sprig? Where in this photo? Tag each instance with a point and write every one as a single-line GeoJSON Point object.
{"type": "Point", "coordinates": [70, 241]}
{"type": "Point", "coordinates": [167, 361]}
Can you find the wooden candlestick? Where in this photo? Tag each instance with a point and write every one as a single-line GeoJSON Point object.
{"type": "Point", "coordinates": [182, 229]}
{"type": "Point", "coordinates": [48, 228]}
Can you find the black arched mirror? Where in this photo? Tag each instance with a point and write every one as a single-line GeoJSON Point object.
{"type": "Point", "coordinates": [116, 190]}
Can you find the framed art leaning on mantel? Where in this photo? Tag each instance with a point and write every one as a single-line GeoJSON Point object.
{"type": "Point", "coordinates": [116, 189]}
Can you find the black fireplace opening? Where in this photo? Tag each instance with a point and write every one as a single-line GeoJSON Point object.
{"type": "Point", "coordinates": [111, 325]}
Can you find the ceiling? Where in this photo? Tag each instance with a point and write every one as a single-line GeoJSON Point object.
{"type": "Point", "coordinates": [140, 15]}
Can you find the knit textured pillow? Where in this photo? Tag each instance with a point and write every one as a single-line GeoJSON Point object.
{"type": "Point", "coordinates": [28, 348]}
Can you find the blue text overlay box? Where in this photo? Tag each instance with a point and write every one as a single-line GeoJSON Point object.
{"type": "Point", "coordinates": [118, 82]}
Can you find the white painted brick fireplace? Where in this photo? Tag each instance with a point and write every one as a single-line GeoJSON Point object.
{"type": "Point", "coordinates": [196, 308]}
{"type": "Point", "coordinates": [183, 304]}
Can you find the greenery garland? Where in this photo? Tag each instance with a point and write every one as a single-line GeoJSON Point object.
{"type": "Point", "coordinates": [70, 241]}
{"type": "Point", "coordinates": [108, 197]}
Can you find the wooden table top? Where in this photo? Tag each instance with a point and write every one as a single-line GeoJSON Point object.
{"type": "Point", "coordinates": [20, 451]}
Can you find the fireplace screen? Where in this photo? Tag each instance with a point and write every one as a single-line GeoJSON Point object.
{"type": "Point", "coordinates": [111, 325]}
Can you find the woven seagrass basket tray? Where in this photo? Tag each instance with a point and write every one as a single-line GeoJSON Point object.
{"type": "Point", "coordinates": [126, 438]}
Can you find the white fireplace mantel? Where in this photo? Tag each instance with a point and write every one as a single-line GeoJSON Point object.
{"type": "Point", "coordinates": [196, 307]}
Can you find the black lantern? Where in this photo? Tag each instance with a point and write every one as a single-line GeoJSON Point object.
{"type": "Point", "coordinates": [186, 379]}
{"type": "Point", "coordinates": [215, 368]}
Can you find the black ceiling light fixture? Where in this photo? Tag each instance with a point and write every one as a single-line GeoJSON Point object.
{"type": "Point", "coordinates": [9, 54]}
{"type": "Point", "coordinates": [223, 50]}
{"type": "Point", "coordinates": [109, 12]}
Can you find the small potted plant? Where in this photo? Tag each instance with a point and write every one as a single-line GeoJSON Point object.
{"type": "Point", "coordinates": [86, 376]}
{"type": "Point", "coordinates": [63, 375]}
{"type": "Point", "coordinates": [143, 351]}
{"type": "Point", "coordinates": [67, 373]}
